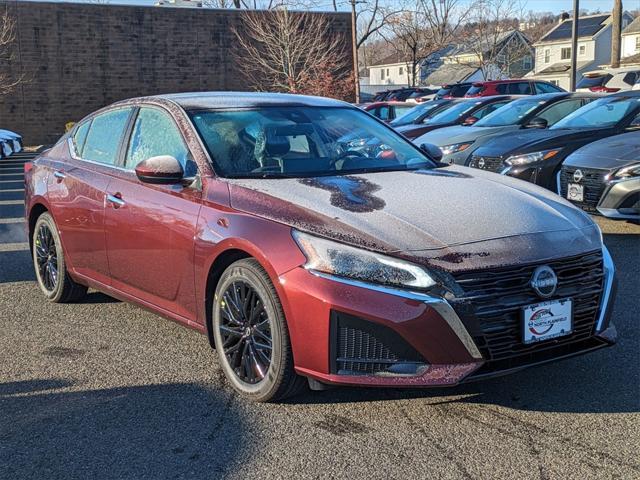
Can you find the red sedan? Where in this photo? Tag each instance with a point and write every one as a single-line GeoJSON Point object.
{"type": "Point", "coordinates": [263, 222]}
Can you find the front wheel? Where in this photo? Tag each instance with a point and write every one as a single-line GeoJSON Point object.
{"type": "Point", "coordinates": [48, 259]}
{"type": "Point", "coordinates": [251, 336]}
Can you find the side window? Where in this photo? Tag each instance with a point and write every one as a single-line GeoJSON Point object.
{"type": "Point", "coordinates": [155, 133]}
{"type": "Point", "coordinates": [520, 88]}
{"type": "Point", "coordinates": [383, 113]}
{"type": "Point", "coordinates": [104, 136]}
{"type": "Point", "coordinates": [559, 110]}
{"type": "Point", "coordinates": [502, 88]}
{"type": "Point", "coordinates": [545, 88]}
{"type": "Point", "coordinates": [486, 110]}
{"type": "Point", "coordinates": [80, 136]}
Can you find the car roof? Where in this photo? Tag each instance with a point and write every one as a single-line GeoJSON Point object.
{"type": "Point", "coordinates": [221, 100]}
{"type": "Point", "coordinates": [626, 93]}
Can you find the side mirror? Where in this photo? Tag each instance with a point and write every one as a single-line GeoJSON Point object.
{"type": "Point", "coordinates": [432, 151]}
{"type": "Point", "coordinates": [537, 122]}
{"type": "Point", "coordinates": [470, 120]}
{"type": "Point", "coordinates": [163, 169]}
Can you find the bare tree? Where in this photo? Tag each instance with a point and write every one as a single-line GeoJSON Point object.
{"type": "Point", "coordinates": [290, 52]}
{"type": "Point", "coordinates": [419, 33]}
{"type": "Point", "coordinates": [8, 81]}
{"type": "Point", "coordinates": [492, 41]}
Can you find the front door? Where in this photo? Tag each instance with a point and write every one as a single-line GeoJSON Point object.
{"type": "Point", "coordinates": [149, 228]}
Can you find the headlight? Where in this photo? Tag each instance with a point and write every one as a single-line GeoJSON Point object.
{"type": "Point", "coordinates": [534, 157]}
{"type": "Point", "coordinates": [344, 261]}
{"type": "Point", "coordinates": [455, 148]}
{"type": "Point", "coordinates": [627, 172]}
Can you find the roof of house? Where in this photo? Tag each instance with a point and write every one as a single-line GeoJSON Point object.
{"type": "Point", "coordinates": [630, 60]}
{"type": "Point", "coordinates": [393, 59]}
{"type": "Point", "coordinates": [449, 73]}
{"type": "Point", "coordinates": [633, 27]}
{"type": "Point", "coordinates": [587, 27]}
{"type": "Point", "coordinates": [561, 67]}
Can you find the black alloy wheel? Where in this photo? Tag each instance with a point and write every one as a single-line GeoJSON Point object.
{"type": "Point", "coordinates": [251, 335]}
{"type": "Point", "coordinates": [46, 257]}
{"type": "Point", "coordinates": [245, 329]}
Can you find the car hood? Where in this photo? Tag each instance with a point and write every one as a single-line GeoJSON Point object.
{"type": "Point", "coordinates": [533, 140]}
{"type": "Point", "coordinates": [459, 134]}
{"type": "Point", "coordinates": [609, 153]}
{"type": "Point", "coordinates": [451, 217]}
{"type": "Point", "coordinates": [407, 129]}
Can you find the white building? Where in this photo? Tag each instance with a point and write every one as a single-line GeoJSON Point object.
{"type": "Point", "coordinates": [553, 50]}
{"type": "Point", "coordinates": [178, 3]}
{"type": "Point", "coordinates": [630, 41]}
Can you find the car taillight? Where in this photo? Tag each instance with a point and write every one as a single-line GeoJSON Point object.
{"type": "Point", "coordinates": [601, 89]}
{"type": "Point", "coordinates": [28, 166]}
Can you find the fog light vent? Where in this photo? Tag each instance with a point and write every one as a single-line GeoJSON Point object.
{"type": "Point", "coordinates": [366, 348]}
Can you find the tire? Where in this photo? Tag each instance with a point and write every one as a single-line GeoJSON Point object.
{"type": "Point", "coordinates": [247, 310]}
{"type": "Point", "coordinates": [46, 244]}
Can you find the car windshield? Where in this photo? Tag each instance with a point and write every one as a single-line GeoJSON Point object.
{"type": "Point", "coordinates": [277, 142]}
{"type": "Point", "coordinates": [602, 113]}
{"type": "Point", "coordinates": [426, 109]}
{"type": "Point", "coordinates": [451, 114]}
{"type": "Point", "coordinates": [589, 82]}
{"type": "Point", "coordinates": [510, 114]}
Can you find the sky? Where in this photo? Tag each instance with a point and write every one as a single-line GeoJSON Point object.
{"type": "Point", "coordinates": [554, 6]}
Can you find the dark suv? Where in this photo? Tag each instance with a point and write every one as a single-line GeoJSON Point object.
{"type": "Point", "coordinates": [511, 87]}
{"type": "Point", "coordinates": [454, 90]}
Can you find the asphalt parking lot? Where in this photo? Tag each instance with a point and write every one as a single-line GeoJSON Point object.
{"type": "Point", "coordinates": [104, 389]}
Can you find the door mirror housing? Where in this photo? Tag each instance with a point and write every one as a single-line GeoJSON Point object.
{"type": "Point", "coordinates": [470, 120]}
{"type": "Point", "coordinates": [537, 122]}
{"type": "Point", "coordinates": [162, 170]}
{"type": "Point", "coordinates": [432, 151]}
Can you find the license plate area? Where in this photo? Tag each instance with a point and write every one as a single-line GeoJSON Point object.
{"type": "Point", "coordinates": [575, 192]}
{"type": "Point", "coordinates": [547, 320]}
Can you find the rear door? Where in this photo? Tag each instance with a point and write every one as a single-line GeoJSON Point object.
{"type": "Point", "coordinates": [77, 188]}
{"type": "Point", "coordinates": [150, 228]}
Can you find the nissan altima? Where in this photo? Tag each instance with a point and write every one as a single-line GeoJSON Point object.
{"type": "Point", "coordinates": [245, 217]}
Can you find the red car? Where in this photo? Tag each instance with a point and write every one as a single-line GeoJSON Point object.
{"type": "Point", "coordinates": [388, 111]}
{"type": "Point", "coordinates": [511, 87]}
{"type": "Point", "coordinates": [249, 218]}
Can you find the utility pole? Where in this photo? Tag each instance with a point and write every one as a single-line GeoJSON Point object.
{"type": "Point", "coordinates": [354, 46]}
{"type": "Point", "coordinates": [574, 45]}
{"type": "Point", "coordinates": [616, 33]}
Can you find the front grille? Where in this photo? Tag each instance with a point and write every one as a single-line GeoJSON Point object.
{"type": "Point", "coordinates": [491, 306]}
{"type": "Point", "coordinates": [592, 181]}
{"type": "Point", "coordinates": [361, 347]}
{"type": "Point", "coordinates": [492, 164]}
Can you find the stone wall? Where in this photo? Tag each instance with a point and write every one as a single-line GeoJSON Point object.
{"type": "Point", "coordinates": [76, 58]}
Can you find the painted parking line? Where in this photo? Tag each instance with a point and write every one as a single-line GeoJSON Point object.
{"type": "Point", "coordinates": [12, 190]}
{"type": "Point", "coordinates": [12, 220]}
{"type": "Point", "coordinates": [11, 202]}
{"type": "Point", "coordinates": [14, 247]}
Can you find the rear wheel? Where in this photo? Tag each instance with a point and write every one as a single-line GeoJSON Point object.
{"type": "Point", "coordinates": [251, 336]}
{"type": "Point", "coordinates": [48, 260]}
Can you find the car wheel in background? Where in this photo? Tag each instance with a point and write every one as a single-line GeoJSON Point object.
{"type": "Point", "coordinates": [251, 336]}
{"type": "Point", "coordinates": [48, 260]}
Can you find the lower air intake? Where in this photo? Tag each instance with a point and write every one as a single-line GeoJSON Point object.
{"type": "Point", "coordinates": [361, 347]}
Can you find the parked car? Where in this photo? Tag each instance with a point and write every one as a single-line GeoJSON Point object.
{"type": "Point", "coordinates": [236, 215]}
{"type": "Point", "coordinates": [604, 177]}
{"type": "Point", "coordinates": [536, 155]}
{"type": "Point", "coordinates": [421, 113]}
{"type": "Point", "coordinates": [458, 112]}
{"type": "Point", "coordinates": [387, 111]}
{"type": "Point", "coordinates": [538, 111]}
{"type": "Point", "coordinates": [453, 90]}
{"type": "Point", "coordinates": [422, 95]}
{"type": "Point", "coordinates": [511, 87]}
{"type": "Point", "coordinates": [609, 80]}
{"type": "Point", "coordinates": [404, 94]}
{"type": "Point", "coordinates": [10, 142]}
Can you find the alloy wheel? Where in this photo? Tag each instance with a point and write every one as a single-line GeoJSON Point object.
{"type": "Point", "coordinates": [245, 329]}
{"type": "Point", "coordinates": [47, 257]}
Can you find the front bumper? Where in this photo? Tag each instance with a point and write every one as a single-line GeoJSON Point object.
{"type": "Point", "coordinates": [621, 200]}
{"type": "Point", "coordinates": [428, 324]}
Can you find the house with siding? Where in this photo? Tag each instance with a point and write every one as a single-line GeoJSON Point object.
{"type": "Point", "coordinates": [553, 50]}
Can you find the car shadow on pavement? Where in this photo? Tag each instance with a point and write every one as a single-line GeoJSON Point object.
{"type": "Point", "coordinates": [154, 431]}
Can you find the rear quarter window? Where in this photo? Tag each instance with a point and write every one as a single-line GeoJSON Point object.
{"type": "Point", "coordinates": [80, 136]}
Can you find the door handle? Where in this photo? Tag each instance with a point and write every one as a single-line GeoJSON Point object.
{"type": "Point", "coordinates": [115, 200]}
{"type": "Point", "coordinates": [60, 175]}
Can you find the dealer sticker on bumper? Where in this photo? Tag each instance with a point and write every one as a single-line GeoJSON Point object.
{"type": "Point", "coordinates": [546, 320]}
